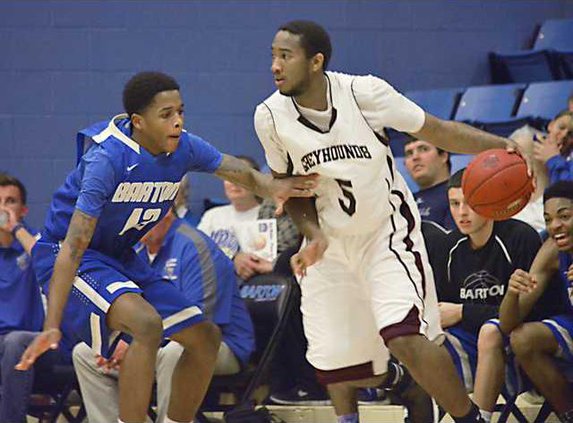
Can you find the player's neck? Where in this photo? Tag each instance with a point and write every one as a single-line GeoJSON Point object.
{"type": "Point", "coordinates": [245, 204]}
{"type": "Point", "coordinates": [145, 142]}
{"type": "Point", "coordinates": [315, 97]}
{"type": "Point", "coordinates": [479, 238]}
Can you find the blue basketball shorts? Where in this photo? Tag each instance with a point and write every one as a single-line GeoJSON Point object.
{"type": "Point", "coordinates": [462, 347]}
{"type": "Point", "coordinates": [101, 279]}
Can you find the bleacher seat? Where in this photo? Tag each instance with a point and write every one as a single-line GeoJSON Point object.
{"type": "Point", "coordinates": [523, 66]}
{"type": "Point", "coordinates": [440, 102]}
{"type": "Point", "coordinates": [491, 103]}
{"type": "Point", "coordinates": [543, 62]}
{"type": "Point", "coordinates": [556, 34]}
{"type": "Point", "coordinates": [545, 99]}
{"type": "Point", "coordinates": [565, 62]}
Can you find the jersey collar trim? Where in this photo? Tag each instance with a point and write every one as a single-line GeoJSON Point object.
{"type": "Point", "coordinates": [311, 125]}
{"type": "Point", "coordinates": [113, 130]}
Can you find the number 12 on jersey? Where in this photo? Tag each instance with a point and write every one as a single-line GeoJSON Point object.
{"type": "Point", "coordinates": [138, 219]}
{"type": "Point", "coordinates": [349, 206]}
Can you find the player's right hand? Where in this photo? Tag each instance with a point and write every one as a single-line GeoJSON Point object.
{"type": "Point", "coordinates": [46, 340]}
{"type": "Point", "coordinates": [308, 255]}
{"type": "Point", "coordinates": [521, 282]}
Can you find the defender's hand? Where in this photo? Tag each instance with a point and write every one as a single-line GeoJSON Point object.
{"type": "Point", "coordinates": [46, 340]}
{"type": "Point", "coordinates": [295, 186]}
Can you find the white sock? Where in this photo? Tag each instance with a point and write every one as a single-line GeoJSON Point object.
{"type": "Point", "coordinates": [119, 420]}
{"type": "Point", "coordinates": [486, 415]}
{"type": "Point", "coordinates": [168, 420]}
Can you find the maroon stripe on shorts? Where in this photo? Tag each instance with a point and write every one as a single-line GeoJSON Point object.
{"type": "Point", "coordinates": [409, 326]}
{"type": "Point", "coordinates": [407, 214]}
{"type": "Point", "coordinates": [345, 374]}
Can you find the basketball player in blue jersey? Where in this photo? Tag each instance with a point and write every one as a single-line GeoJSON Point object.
{"type": "Point", "coordinates": [98, 288]}
{"type": "Point", "coordinates": [367, 288]}
{"type": "Point", "coordinates": [545, 349]}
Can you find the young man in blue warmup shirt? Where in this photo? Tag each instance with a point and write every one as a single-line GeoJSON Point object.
{"type": "Point", "coordinates": [206, 276]}
{"type": "Point", "coordinates": [98, 287]}
{"type": "Point", "coordinates": [21, 310]}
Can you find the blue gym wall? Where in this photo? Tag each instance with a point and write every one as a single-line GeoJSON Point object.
{"type": "Point", "coordinates": [63, 63]}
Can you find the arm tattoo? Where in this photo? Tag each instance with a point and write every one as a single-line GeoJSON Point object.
{"type": "Point", "coordinates": [80, 232]}
{"type": "Point", "coordinates": [237, 172]}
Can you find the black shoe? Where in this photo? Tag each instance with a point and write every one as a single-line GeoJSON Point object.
{"type": "Point", "coordinates": [300, 396]}
{"type": "Point", "coordinates": [417, 402]}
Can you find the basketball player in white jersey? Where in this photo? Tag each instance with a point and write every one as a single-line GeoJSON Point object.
{"type": "Point", "coordinates": [367, 289]}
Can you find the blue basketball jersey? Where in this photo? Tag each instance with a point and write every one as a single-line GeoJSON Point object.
{"type": "Point", "coordinates": [128, 189]}
{"type": "Point", "coordinates": [565, 261]}
{"type": "Point", "coordinates": [205, 276]}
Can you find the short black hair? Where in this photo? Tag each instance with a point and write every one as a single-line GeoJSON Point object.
{"type": "Point", "coordinates": [313, 38]}
{"type": "Point", "coordinates": [140, 90]}
{"type": "Point", "coordinates": [560, 189]}
{"type": "Point", "coordinates": [455, 180]}
{"type": "Point", "coordinates": [410, 139]}
{"type": "Point", "coordinates": [11, 181]}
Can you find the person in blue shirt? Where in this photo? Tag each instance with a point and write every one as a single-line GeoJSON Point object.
{"type": "Point", "coordinates": [98, 288]}
{"type": "Point", "coordinates": [21, 309]}
{"type": "Point", "coordinates": [191, 261]}
{"type": "Point", "coordinates": [545, 349]}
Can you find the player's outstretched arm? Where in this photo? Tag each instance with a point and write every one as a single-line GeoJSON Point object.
{"type": "Point", "coordinates": [234, 170]}
{"type": "Point", "coordinates": [457, 137]}
{"type": "Point", "coordinates": [78, 238]}
{"type": "Point", "coordinates": [525, 288]}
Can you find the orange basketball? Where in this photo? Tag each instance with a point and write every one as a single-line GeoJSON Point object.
{"type": "Point", "coordinates": [496, 184]}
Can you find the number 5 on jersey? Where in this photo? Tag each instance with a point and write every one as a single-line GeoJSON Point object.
{"type": "Point", "coordinates": [140, 219]}
{"type": "Point", "coordinates": [346, 187]}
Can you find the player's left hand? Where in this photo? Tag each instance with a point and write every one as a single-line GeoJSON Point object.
{"type": "Point", "coordinates": [450, 314]}
{"type": "Point", "coordinates": [294, 186]}
{"type": "Point", "coordinates": [570, 274]}
{"type": "Point", "coordinates": [309, 255]}
{"type": "Point", "coordinates": [514, 147]}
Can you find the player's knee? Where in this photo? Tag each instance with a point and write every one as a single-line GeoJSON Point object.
{"type": "Point", "coordinates": [489, 339]}
{"type": "Point", "coordinates": [148, 328]}
{"type": "Point", "coordinates": [205, 336]}
{"type": "Point", "coordinates": [405, 348]}
{"type": "Point", "coordinates": [521, 340]}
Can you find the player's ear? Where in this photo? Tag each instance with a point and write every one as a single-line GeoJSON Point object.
{"type": "Point", "coordinates": [137, 121]}
{"type": "Point", "coordinates": [318, 62]}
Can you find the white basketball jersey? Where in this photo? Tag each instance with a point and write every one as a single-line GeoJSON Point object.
{"type": "Point", "coordinates": [355, 164]}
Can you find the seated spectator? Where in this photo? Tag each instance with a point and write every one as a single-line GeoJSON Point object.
{"type": "Point", "coordinates": [533, 211]}
{"type": "Point", "coordinates": [555, 149]}
{"type": "Point", "coordinates": [21, 309]}
{"type": "Point", "coordinates": [544, 349]}
{"type": "Point", "coordinates": [220, 223]}
{"type": "Point", "coordinates": [481, 256]}
{"type": "Point", "coordinates": [430, 167]}
{"type": "Point", "coordinates": [193, 262]}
